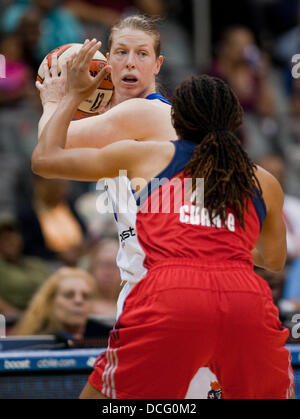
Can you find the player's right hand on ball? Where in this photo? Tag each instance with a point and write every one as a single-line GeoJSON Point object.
{"type": "Point", "coordinates": [80, 83]}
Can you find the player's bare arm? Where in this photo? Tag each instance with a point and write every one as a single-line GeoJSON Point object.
{"type": "Point", "coordinates": [271, 249]}
{"type": "Point", "coordinates": [50, 159]}
{"type": "Point", "coordinates": [135, 119]}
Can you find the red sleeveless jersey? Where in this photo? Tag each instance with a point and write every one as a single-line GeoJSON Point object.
{"type": "Point", "coordinates": [169, 225]}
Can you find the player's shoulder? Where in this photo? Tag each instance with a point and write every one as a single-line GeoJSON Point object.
{"type": "Point", "coordinates": [266, 179]}
{"type": "Point", "coordinates": [140, 118]}
{"type": "Point", "coordinates": [141, 104]}
{"type": "Point", "coordinates": [271, 189]}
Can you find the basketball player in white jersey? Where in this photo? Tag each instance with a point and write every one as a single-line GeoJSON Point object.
{"type": "Point", "coordinates": [135, 112]}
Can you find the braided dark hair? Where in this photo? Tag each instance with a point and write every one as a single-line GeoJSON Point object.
{"type": "Point", "coordinates": [205, 110]}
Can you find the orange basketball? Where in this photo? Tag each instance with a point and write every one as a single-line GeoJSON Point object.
{"type": "Point", "coordinates": [100, 97]}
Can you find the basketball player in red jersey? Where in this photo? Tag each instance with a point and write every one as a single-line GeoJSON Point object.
{"type": "Point", "coordinates": [200, 280]}
{"type": "Point", "coordinates": [135, 112]}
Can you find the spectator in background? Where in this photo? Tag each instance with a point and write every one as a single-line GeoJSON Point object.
{"type": "Point", "coordinates": [18, 121]}
{"type": "Point", "coordinates": [246, 69]}
{"type": "Point", "coordinates": [61, 306]}
{"type": "Point", "coordinates": [291, 209]}
{"type": "Point", "coordinates": [104, 269]}
{"type": "Point", "coordinates": [50, 225]}
{"type": "Point", "coordinates": [20, 276]}
{"type": "Point", "coordinates": [29, 31]}
{"type": "Point", "coordinates": [14, 87]}
{"type": "Point", "coordinates": [249, 73]}
{"type": "Point", "coordinates": [58, 25]}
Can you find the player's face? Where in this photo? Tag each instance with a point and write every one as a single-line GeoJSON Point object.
{"type": "Point", "coordinates": [72, 303]}
{"type": "Point", "coordinates": [134, 63]}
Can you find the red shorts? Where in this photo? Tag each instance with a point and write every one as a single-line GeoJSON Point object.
{"type": "Point", "coordinates": [182, 317]}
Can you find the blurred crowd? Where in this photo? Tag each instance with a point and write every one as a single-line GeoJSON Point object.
{"type": "Point", "coordinates": [57, 252]}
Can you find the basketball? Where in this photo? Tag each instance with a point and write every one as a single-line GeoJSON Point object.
{"type": "Point", "coordinates": [100, 97]}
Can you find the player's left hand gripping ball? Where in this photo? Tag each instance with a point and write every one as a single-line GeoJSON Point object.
{"type": "Point", "coordinates": [90, 105]}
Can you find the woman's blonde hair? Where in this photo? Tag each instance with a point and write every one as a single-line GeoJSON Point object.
{"type": "Point", "coordinates": [141, 23]}
{"type": "Point", "coordinates": [38, 318]}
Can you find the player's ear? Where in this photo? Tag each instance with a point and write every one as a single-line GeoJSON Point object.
{"type": "Point", "coordinates": [108, 57]}
{"type": "Point", "coordinates": [159, 63]}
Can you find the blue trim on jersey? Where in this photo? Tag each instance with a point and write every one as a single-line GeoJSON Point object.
{"type": "Point", "coordinates": [112, 202]}
{"type": "Point", "coordinates": [260, 207]}
{"type": "Point", "coordinates": [158, 96]}
{"type": "Point", "coordinates": [184, 151]}
{"type": "Point", "coordinates": [133, 192]}
{"type": "Point", "coordinates": [115, 212]}
{"type": "Point", "coordinates": [116, 217]}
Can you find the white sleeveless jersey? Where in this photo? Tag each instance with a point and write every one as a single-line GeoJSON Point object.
{"type": "Point", "coordinates": [131, 256]}
{"type": "Point", "coordinates": [130, 259]}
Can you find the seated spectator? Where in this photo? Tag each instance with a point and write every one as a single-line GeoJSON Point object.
{"type": "Point", "coordinates": [49, 223]}
{"type": "Point", "coordinates": [58, 25]}
{"type": "Point", "coordinates": [104, 269]}
{"type": "Point", "coordinates": [291, 209]}
{"type": "Point", "coordinates": [246, 69]}
{"type": "Point", "coordinates": [20, 276]}
{"type": "Point", "coordinates": [61, 306]}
